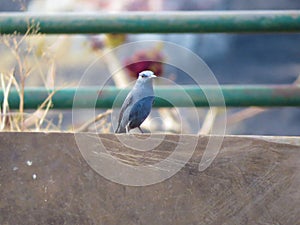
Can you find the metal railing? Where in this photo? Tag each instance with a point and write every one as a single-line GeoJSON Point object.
{"type": "Point", "coordinates": [158, 22]}
{"type": "Point", "coordinates": [162, 22]}
{"type": "Point", "coordinates": [233, 95]}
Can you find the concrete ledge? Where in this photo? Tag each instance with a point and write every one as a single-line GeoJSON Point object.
{"type": "Point", "coordinates": [44, 179]}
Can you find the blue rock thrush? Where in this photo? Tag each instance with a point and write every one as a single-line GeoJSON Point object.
{"type": "Point", "coordinates": [138, 103]}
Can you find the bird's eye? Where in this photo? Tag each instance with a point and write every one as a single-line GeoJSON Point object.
{"type": "Point", "coordinates": [143, 75]}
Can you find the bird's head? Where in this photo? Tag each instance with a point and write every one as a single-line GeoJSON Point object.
{"type": "Point", "coordinates": [145, 76]}
{"type": "Point", "coordinates": [144, 85]}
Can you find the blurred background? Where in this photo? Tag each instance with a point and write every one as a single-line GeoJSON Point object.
{"type": "Point", "coordinates": [233, 58]}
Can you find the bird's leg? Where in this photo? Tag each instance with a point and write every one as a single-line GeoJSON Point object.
{"type": "Point", "coordinates": [141, 130]}
{"type": "Point", "coordinates": [127, 129]}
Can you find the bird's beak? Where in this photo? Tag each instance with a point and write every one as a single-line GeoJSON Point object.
{"type": "Point", "coordinates": [153, 76]}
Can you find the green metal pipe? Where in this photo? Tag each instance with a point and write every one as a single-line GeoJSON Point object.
{"type": "Point", "coordinates": [92, 97]}
{"type": "Point", "coordinates": [154, 22]}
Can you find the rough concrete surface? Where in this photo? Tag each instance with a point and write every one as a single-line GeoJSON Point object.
{"type": "Point", "coordinates": [44, 179]}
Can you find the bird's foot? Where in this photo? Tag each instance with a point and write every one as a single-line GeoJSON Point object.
{"type": "Point", "coordinates": [127, 130]}
{"type": "Point", "coordinates": [141, 130]}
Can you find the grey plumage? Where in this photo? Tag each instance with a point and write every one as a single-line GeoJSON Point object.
{"type": "Point", "coordinates": [138, 103]}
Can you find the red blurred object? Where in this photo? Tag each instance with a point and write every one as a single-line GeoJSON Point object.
{"type": "Point", "coordinates": [145, 60]}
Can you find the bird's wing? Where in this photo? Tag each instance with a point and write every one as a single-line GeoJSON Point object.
{"type": "Point", "coordinates": [153, 101]}
{"type": "Point", "coordinates": [139, 111]}
{"type": "Point", "coordinates": [125, 105]}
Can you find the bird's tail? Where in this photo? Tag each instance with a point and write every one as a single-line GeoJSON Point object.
{"type": "Point", "coordinates": [120, 129]}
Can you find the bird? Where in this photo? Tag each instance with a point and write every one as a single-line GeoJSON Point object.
{"type": "Point", "coordinates": [138, 103]}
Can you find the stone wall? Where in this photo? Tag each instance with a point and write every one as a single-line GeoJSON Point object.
{"type": "Point", "coordinates": [44, 179]}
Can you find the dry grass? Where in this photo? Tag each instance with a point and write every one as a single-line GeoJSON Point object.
{"type": "Point", "coordinates": [23, 50]}
{"type": "Point", "coordinates": [29, 60]}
